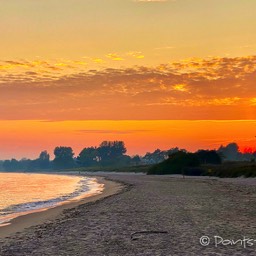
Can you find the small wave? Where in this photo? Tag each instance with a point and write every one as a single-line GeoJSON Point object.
{"type": "Point", "coordinates": [85, 185]}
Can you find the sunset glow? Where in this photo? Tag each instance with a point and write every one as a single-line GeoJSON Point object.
{"type": "Point", "coordinates": [28, 138]}
{"type": "Point", "coordinates": [155, 74]}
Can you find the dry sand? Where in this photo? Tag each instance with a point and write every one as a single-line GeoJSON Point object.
{"type": "Point", "coordinates": [181, 210]}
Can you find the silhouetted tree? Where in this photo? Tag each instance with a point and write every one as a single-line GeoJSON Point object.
{"type": "Point", "coordinates": [208, 157]}
{"type": "Point", "coordinates": [63, 158]}
{"type": "Point", "coordinates": [44, 160]}
{"type": "Point", "coordinates": [88, 157]}
{"type": "Point", "coordinates": [24, 164]}
{"type": "Point", "coordinates": [11, 165]}
{"type": "Point", "coordinates": [135, 160]}
{"type": "Point", "coordinates": [1, 165]}
{"type": "Point", "coordinates": [159, 155]}
{"type": "Point", "coordinates": [110, 151]}
{"type": "Point", "coordinates": [174, 150]}
{"type": "Point", "coordinates": [155, 157]}
{"type": "Point", "coordinates": [230, 152]}
{"type": "Point", "coordinates": [177, 163]}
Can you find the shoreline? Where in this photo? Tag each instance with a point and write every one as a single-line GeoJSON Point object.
{"type": "Point", "coordinates": [152, 215]}
{"type": "Point", "coordinates": [40, 216]}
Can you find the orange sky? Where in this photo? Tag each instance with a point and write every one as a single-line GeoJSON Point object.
{"type": "Point", "coordinates": [28, 138]}
{"type": "Point", "coordinates": [77, 64]}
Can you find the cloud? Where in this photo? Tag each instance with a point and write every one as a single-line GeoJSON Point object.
{"type": "Point", "coordinates": [198, 102]}
{"type": "Point", "coordinates": [137, 55]}
{"type": "Point", "coordinates": [180, 87]}
{"type": "Point", "coordinates": [113, 131]}
{"type": "Point", "coordinates": [57, 68]}
{"type": "Point", "coordinates": [212, 88]}
{"type": "Point", "coordinates": [50, 69]}
{"type": "Point", "coordinates": [98, 60]}
{"type": "Point", "coordinates": [114, 56]}
{"type": "Point", "coordinates": [165, 48]}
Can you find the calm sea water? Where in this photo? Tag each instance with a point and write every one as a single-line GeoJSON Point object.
{"type": "Point", "coordinates": [22, 193]}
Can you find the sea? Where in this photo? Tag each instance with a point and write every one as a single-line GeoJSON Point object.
{"type": "Point", "coordinates": [24, 193]}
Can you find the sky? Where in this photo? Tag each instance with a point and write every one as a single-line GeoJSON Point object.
{"type": "Point", "coordinates": [154, 73]}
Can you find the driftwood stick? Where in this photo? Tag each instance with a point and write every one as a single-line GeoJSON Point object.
{"type": "Point", "coordinates": [147, 232]}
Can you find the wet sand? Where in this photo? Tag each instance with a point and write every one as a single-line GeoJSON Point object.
{"type": "Point", "coordinates": [152, 215]}
{"type": "Point", "coordinates": [48, 214]}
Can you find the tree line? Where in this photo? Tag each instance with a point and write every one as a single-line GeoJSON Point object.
{"type": "Point", "coordinates": [108, 153]}
{"type": "Point", "coordinates": [186, 163]}
{"type": "Point", "coordinates": [207, 162]}
{"type": "Point", "coordinates": [113, 153]}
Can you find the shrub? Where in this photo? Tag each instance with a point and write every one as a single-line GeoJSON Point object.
{"type": "Point", "coordinates": [175, 164]}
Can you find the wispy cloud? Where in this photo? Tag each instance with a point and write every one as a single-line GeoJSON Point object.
{"type": "Point", "coordinates": [113, 131]}
{"type": "Point", "coordinates": [114, 56]}
{"type": "Point", "coordinates": [165, 48]}
{"type": "Point", "coordinates": [43, 70]}
{"type": "Point", "coordinates": [98, 60]}
{"type": "Point", "coordinates": [137, 55]}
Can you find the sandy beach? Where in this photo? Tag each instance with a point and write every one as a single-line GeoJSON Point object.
{"type": "Point", "coordinates": [150, 215]}
{"type": "Point", "coordinates": [43, 215]}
